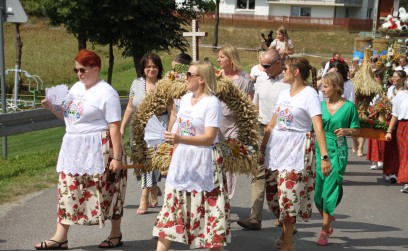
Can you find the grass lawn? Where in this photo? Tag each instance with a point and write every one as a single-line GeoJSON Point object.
{"type": "Point", "coordinates": [49, 51]}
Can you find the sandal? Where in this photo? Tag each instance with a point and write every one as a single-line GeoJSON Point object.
{"type": "Point", "coordinates": [44, 246]}
{"type": "Point", "coordinates": [324, 239]}
{"type": "Point", "coordinates": [332, 219]}
{"type": "Point", "coordinates": [110, 244]}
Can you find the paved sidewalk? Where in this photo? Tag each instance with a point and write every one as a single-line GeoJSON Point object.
{"type": "Point", "coordinates": [372, 216]}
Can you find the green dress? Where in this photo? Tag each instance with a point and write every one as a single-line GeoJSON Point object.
{"type": "Point", "coordinates": [329, 190]}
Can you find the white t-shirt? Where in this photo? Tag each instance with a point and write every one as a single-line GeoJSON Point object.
{"type": "Point", "coordinates": [266, 94]}
{"type": "Point", "coordinates": [191, 167]}
{"type": "Point", "coordinates": [258, 74]}
{"type": "Point", "coordinates": [286, 146]}
{"type": "Point", "coordinates": [280, 45]}
{"type": "Point", "coordinates": [400, 105]}
{"type": "Point", "coordinates": [91, 110]}
{"type": "Point", "coordinates": [87, 114]}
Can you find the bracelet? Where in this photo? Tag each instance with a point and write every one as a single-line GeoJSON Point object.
{"type": "Point", "coordinates": [117, 159]}
{"type": "Point", "coordinates": [389, 131]}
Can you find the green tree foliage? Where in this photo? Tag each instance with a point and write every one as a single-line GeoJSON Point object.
{"type": "Point", "coordinates": [33, 7]}
{"type": "Point", "coordinates": [136, 26]}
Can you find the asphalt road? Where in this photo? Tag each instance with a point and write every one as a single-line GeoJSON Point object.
{"type": "Point", "coordinates": [372, 216]}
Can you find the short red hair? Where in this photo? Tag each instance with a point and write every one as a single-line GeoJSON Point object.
{"type": "Point", "coordinates": [88, 58]}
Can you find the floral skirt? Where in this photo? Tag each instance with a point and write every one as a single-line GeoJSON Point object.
{"type": "Point", "coordinates": [92, 199]}
{"type": "Point", "coordinates": [402, 140]}
{"type": "Point", "coordinates": [291, 195]}
{"type": "Point", "coordinates": [198, 219]}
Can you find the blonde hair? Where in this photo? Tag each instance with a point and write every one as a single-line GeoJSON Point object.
{"type": "Point", "coordinates": [335, 80]}
{"type": "Point", "coordinates": [232, 53]}
{"type": "Point", "coordinates": [207, 72]}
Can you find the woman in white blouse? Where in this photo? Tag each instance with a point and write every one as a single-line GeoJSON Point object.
{"type": "Point", "coordinates": [196, 206]}
{"type": "Point", "coordinates": [288, 147]}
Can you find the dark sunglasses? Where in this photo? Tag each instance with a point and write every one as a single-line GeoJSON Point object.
{"type": "Point", "coordinates": [191, 75]}
{"type": "Point", "coordinates": [267, 66]}
{"type": "Point", "coordinates": [81, 70]}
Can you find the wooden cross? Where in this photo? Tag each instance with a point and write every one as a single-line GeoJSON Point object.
{"type": "Point", "coordinates": [195, 34]}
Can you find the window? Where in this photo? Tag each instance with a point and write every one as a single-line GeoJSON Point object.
{"type": "Point", "coordinates": [246, 4]}
{"type": "Point", "coordinates": [298, 11]}
{"type": "Point", "coordinates": [369, 12]}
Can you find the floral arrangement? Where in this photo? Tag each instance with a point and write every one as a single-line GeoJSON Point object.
{"type": "Point", "coordinates": [381, 105]}
{"type": "Point", "coordinates": [234, 151]}
{"type": "Point", "coordinates": [239, 155]}
{"type": "Point", "coordinates": [374, 124]}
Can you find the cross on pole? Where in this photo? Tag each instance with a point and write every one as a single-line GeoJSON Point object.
{"type": "Point", "coordinates": [195, 34]}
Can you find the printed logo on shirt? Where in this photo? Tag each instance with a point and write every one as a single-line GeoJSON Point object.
{"type": "Point", "coordinates": [284, 117]}
{"type": "Point", "coordinates": [73, 109]}
{"type": "Point", "coordinates": [185, 123]}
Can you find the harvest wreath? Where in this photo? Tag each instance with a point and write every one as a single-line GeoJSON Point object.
{"type": "Point", "coordinates": [238, 155]}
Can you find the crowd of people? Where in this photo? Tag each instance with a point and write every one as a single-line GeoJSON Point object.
{"type": "Point", "coordinates": [304, 121]}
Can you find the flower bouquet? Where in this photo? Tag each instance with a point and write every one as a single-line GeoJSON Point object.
{"type": "Point", "coordinates": [381, 109]}
{"type": "Point", "coordinates": [238, 157]}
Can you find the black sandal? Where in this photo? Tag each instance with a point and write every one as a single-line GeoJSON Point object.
{"type": "Point", "coordinates": [44, 245]}
{"type": "Point", "coordinates": [110, 244]}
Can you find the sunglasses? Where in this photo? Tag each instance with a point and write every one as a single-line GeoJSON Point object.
{"type": "Point", "coordinates": [191, 75]}
{"type": "Point", "coordinates": [81, 70]}
{"type": "Point", "coordinates": [267, 66]}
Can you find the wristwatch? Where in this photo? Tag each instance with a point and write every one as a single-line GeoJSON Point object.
{"type": "Point", "coordinates": [325, 157]}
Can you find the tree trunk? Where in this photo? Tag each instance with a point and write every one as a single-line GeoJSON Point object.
{"type": "Point", "coordinates": [111, 62]}
{"type": "Point", "coordinates": [19, 51]}
{"type": "Point", "coordinates": [216, 23]}
{"type": "Point", "coordinates": [136, 61]}
{"type": "Point", "coordinates": [82, 40]}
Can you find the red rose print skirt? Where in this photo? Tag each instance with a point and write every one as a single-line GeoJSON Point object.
{"type": "Point", "coordinates": [92, 199]}
{"type": "Point", "coordinates": [198, 219]}
{"type": "Point", "coordinates": [295, 188]}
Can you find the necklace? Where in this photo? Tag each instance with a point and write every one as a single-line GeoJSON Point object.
{"type": "Point", "coordinates": [394, 91]}
{"type": "Point", "coordinates": [195, 100]}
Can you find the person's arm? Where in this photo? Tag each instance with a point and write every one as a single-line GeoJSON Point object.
{"type": "Point", "coordinates": [267, 134]}
{"type": "Point", "coordinates": [55, 109]}
{"type": "Point", "coordinates": [321, 139]}
{"type": "Point", "coordinates": [172, 111]}
{"type": "Point", "coordinates": [115, 137]}
{"type": "Point", "coordinates": [340, 132]}
{"type": "Point", "coordinates": [393, 122]}
{"type": "Point", "coordinates": [126, 116]}
{"type": "Point", "coordinates": [207, 139]}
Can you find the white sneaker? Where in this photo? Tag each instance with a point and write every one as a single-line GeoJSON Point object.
{"type": "Point", "coordinates": [387, 178]}
{"type": "Point", "coordinates": [380, 164]}
{"type": "Point", "coordinates": [405, 189]}
{"type": "Point", "coordinates": [374, 166]}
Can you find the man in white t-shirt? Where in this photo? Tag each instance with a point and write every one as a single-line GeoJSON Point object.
{"type": "Point", "coordinates": [266, 94]}
{"type": "Point", "coordinates": [402, 64]}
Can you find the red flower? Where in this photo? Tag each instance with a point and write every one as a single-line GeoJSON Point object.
{"type": "Point", "coordinates": [104, 140]}
{"type": "Point", "coordinates": [180, 229]}
{"type": "Point", "coordinates": [289, 184]}
{"type": "Point", "coordinates": [72, 187]}
{"type": "Point", "coordinates": [212, 201]}
{"type": "Point", "coordinates": [169, 224]}
{"type": "Point", "coordinates": [292, 176]}
{"type": "Point", "coordinates": [217, 238]}
{"type": "Point", "coordinates": [63, 175]}
{"type": "Point", "coordinates": [87, 194]}
{"type": "Point", "coordinates": [162, 234]}
{"type": "Point", "coordinates": [166, 214]}
{"type": "Point", "coordinates": [220, 160]}
{"type": "Point", "coordinates": [211, 219]}
{"type": "Point", "coordinates": [75, 206]}
{"type": "Point", "coordinates": [169, 195]}
{"type": "Point", "coordinates": [196, 225]}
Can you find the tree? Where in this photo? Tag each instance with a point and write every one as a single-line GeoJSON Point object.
{"type": "Point", "coordinates": [154, 25]}
{"type": "Point", "coordinates": [217, 23]}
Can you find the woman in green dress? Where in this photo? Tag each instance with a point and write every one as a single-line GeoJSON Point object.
{"type": "Point", "coordinates": [340, 119]}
